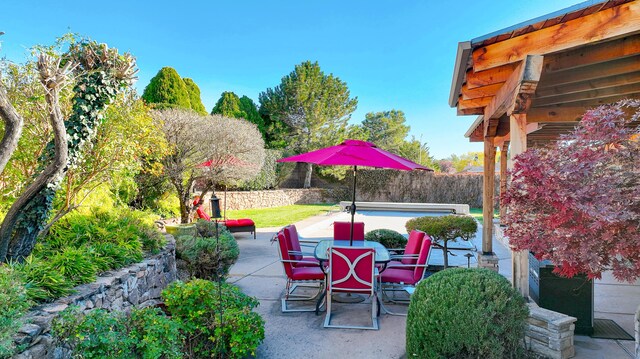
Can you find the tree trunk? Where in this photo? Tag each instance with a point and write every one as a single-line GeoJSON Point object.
{"type": "Point", "coordinates": [20, 245]}
{"type": "Point", "coordinates": [307, 177]}
{"type": "Point", "coordinates": [13, 124]}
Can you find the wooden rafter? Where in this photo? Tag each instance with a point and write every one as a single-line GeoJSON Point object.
{"type": "Point", "coordinates": [484, 91]}
{"type": "Point", "coordinates": [623, 67]}
{"type": "Point", "coordinates": [607, 24]}
{"type": "Point", "coordinates": [515, 94]}
{"type": "Point", "coordinates": [593, 54]}
{"type": "Point", "coordinates": [589, 85]}
{"type": "Point", "coordinates": [474, 102]}
{"type": "Point", "coordinates": [489, 77]}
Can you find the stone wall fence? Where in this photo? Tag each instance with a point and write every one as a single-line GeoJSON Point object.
{"type": "Point", "coordinates": [138, 285]}
{"type": "Point", "coordinates": [271, 198]}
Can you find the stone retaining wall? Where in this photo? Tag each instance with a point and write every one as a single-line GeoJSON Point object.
{"type": "Point", "coordinates": [138, 285]}
{"type": "Point", "coordinates": [550, 333]}
{"type": "Point", "coordinates": [271, 198]}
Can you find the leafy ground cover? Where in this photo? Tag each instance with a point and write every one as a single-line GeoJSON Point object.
{"type": "Point", "coordinates": [281, 216]}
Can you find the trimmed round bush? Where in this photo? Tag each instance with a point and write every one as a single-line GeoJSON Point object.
{"type": "Point", "coordinates": [466, 313]}
{"type": "Point", "coordinates": [387, 237]}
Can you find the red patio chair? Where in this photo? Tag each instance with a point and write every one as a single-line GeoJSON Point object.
{"type": "Point", "coordinates": [398, 278]}
{"type": "Point", "coordinates": [306, 259]}
{"type": "Point", "coordinates": [410, 252]}
{"type": "Point", "coordinates": [342, 231]}
{"type": "Point", "coordinates": [298, 277]}
{"type": "Point", "coordinates": [352, 270]}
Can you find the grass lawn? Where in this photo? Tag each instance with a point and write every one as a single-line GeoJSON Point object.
{"type": "Point", "coordinates": [477, 214]}
{"type": "Point", "coordinates": [281, 216]}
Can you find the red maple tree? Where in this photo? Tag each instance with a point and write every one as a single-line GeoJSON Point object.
{"type": "Point", "coordinates": [577, 201]}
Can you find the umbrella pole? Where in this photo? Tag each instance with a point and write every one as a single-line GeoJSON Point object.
{"type": "Point", "coordinates": [353, 204]}
{"type": "Point", "coordinates": [225, 202]}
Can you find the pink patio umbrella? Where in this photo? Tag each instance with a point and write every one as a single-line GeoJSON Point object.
{"type": "Point", "coordinates": [355, 153]}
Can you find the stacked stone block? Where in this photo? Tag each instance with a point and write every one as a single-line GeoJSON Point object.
{"type": "Point", "coordinates": [550, 333]}
{"type": "Point", "coordinates": [138, 285]}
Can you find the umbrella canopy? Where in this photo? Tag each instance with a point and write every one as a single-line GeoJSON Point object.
{"type": "Point", "coordinates": [356, 153]}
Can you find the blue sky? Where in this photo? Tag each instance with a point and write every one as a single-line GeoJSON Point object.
{"type": "Point", "coordinates": [392, 54]}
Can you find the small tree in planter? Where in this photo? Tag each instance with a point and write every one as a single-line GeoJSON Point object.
{"type": "Point", "coordinates": [445, 229]}
{"type": "Point", "coordinates": [577, 202]}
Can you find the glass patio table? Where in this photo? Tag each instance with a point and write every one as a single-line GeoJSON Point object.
{"type": "Point", "coordinates": [322, 249]}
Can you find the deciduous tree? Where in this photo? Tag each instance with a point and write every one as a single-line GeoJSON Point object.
{"type": "Point", "coordinates": [233, 147]}
{"type": "Point", "coordinates": [577, 202]}
{"type": "Point", "coordinates": [315, 107]}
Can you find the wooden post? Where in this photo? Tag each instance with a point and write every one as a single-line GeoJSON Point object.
{"type": "Point", "coordinates": [520, 260]}
{"type": "Point", "coordinates": [503, 174]}
{"type": "Point", "coordinates": [488, 194]}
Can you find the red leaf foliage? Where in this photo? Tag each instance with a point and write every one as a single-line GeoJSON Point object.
{"type": "Point", "coordinates": [577, 202]}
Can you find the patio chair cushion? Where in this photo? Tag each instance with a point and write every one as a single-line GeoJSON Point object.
{"type": "Point", "coordinates": [397, 275]}
{"type": "Point", "coordinates": [342, 231]}
{"type": "Point", "coordinates": [307, 273]}
{"type": "Point", "coordinates": [413, 246]}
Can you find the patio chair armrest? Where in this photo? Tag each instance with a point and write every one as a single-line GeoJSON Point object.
{"type": "Point", "coordinates": [301, 253]}
{"type": "Point", "coordinates": [404, 256]}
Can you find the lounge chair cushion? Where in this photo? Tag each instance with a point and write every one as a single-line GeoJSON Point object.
{"type": "Point", "coordinates": [397, 275]}
{"type": "Point", "coordinates": [242, 222]}
{"type": "Point", "coordinates": [307, 273]}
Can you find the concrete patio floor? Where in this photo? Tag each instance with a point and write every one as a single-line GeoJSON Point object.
{"type": "Point", "coordinates": [292, 335]}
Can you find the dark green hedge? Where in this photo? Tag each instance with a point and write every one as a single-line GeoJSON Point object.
{"type": "Point", "coordinates": [466, 313]}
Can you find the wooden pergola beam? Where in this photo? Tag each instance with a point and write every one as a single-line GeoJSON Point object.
{"type": "Point", "coordinates": [515, 94]}
{"type": "Point", "coordinates": [595, 95]}
{"type": "Point", "coordinates": [590, 85]}
{"type": "Point", "coordinates": [593, 54]}
{"type": "Point", "coordinates": [484, 91]}
{"type": "Point", "coordinates": [606, 24]}
{"type": "Point", "coordinates": [619, 67]}
{"type": "Point", "coordinates": [555, 114]}
{"type": "Point", "coordinates": [489, 77]}
{"type": "Point", "coordinates": [473, 103]}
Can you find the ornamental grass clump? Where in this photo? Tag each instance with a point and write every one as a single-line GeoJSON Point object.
{"type": "Point", "coordinates": [14, 302]}
{"type": "Point", "coordinates": [466, 313]}
{"type": "Point", "coordinates": [197, 307]}
{"type": "Point", "coordinates": [387, 237]}
{"type": "Point", "coordinates": [445, 229]}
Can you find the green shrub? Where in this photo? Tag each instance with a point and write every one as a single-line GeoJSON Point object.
{"type": "Point", "coordinates": [147, 334]}
{"type": "Point", "coordinates": [98, 334]}
{"type": "Point", "coordinates": [387, 237]}
{"type": "Point", "coordinates": [204, 256]}
{"type": "Point", "coordinates": [466, 313]}
{"type": "Point", "coordinates": [42, 281]}
{"type": "Point", "coordinates": [154, 334]}
{"type": "Point", "coordinates": [14, 302]}
{"type": "Point", "coordinates": [196, 305]}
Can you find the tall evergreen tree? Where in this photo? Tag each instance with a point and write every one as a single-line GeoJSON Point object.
{"type": "Point", "coordinates": [315, 106]}
{"type": "Point", "coordinates": [167, 90]}
{"type": "Point", "coordinates": [386, 129]}
{"type": "Point", "coordinates": [251, 112]}
{"type": "Point", "coordinates": [194, 96]}
{"type": "Point", "coordinates": [228, 105]}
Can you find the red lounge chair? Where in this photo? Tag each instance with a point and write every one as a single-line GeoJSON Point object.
{"type": "Point", "coordinates": [298, 276]}
{"type": "Point", "coordinates": [240, 225]}
{"type": "Point", "coordinates": [342, 231]}
{"type": "Point", "coordinates": [352, 270]}
{"type": "Point", "coordinates": [306, 258]}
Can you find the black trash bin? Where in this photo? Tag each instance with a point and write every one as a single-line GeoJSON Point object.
{"type": "Point", "coordinates": [570, 296]}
